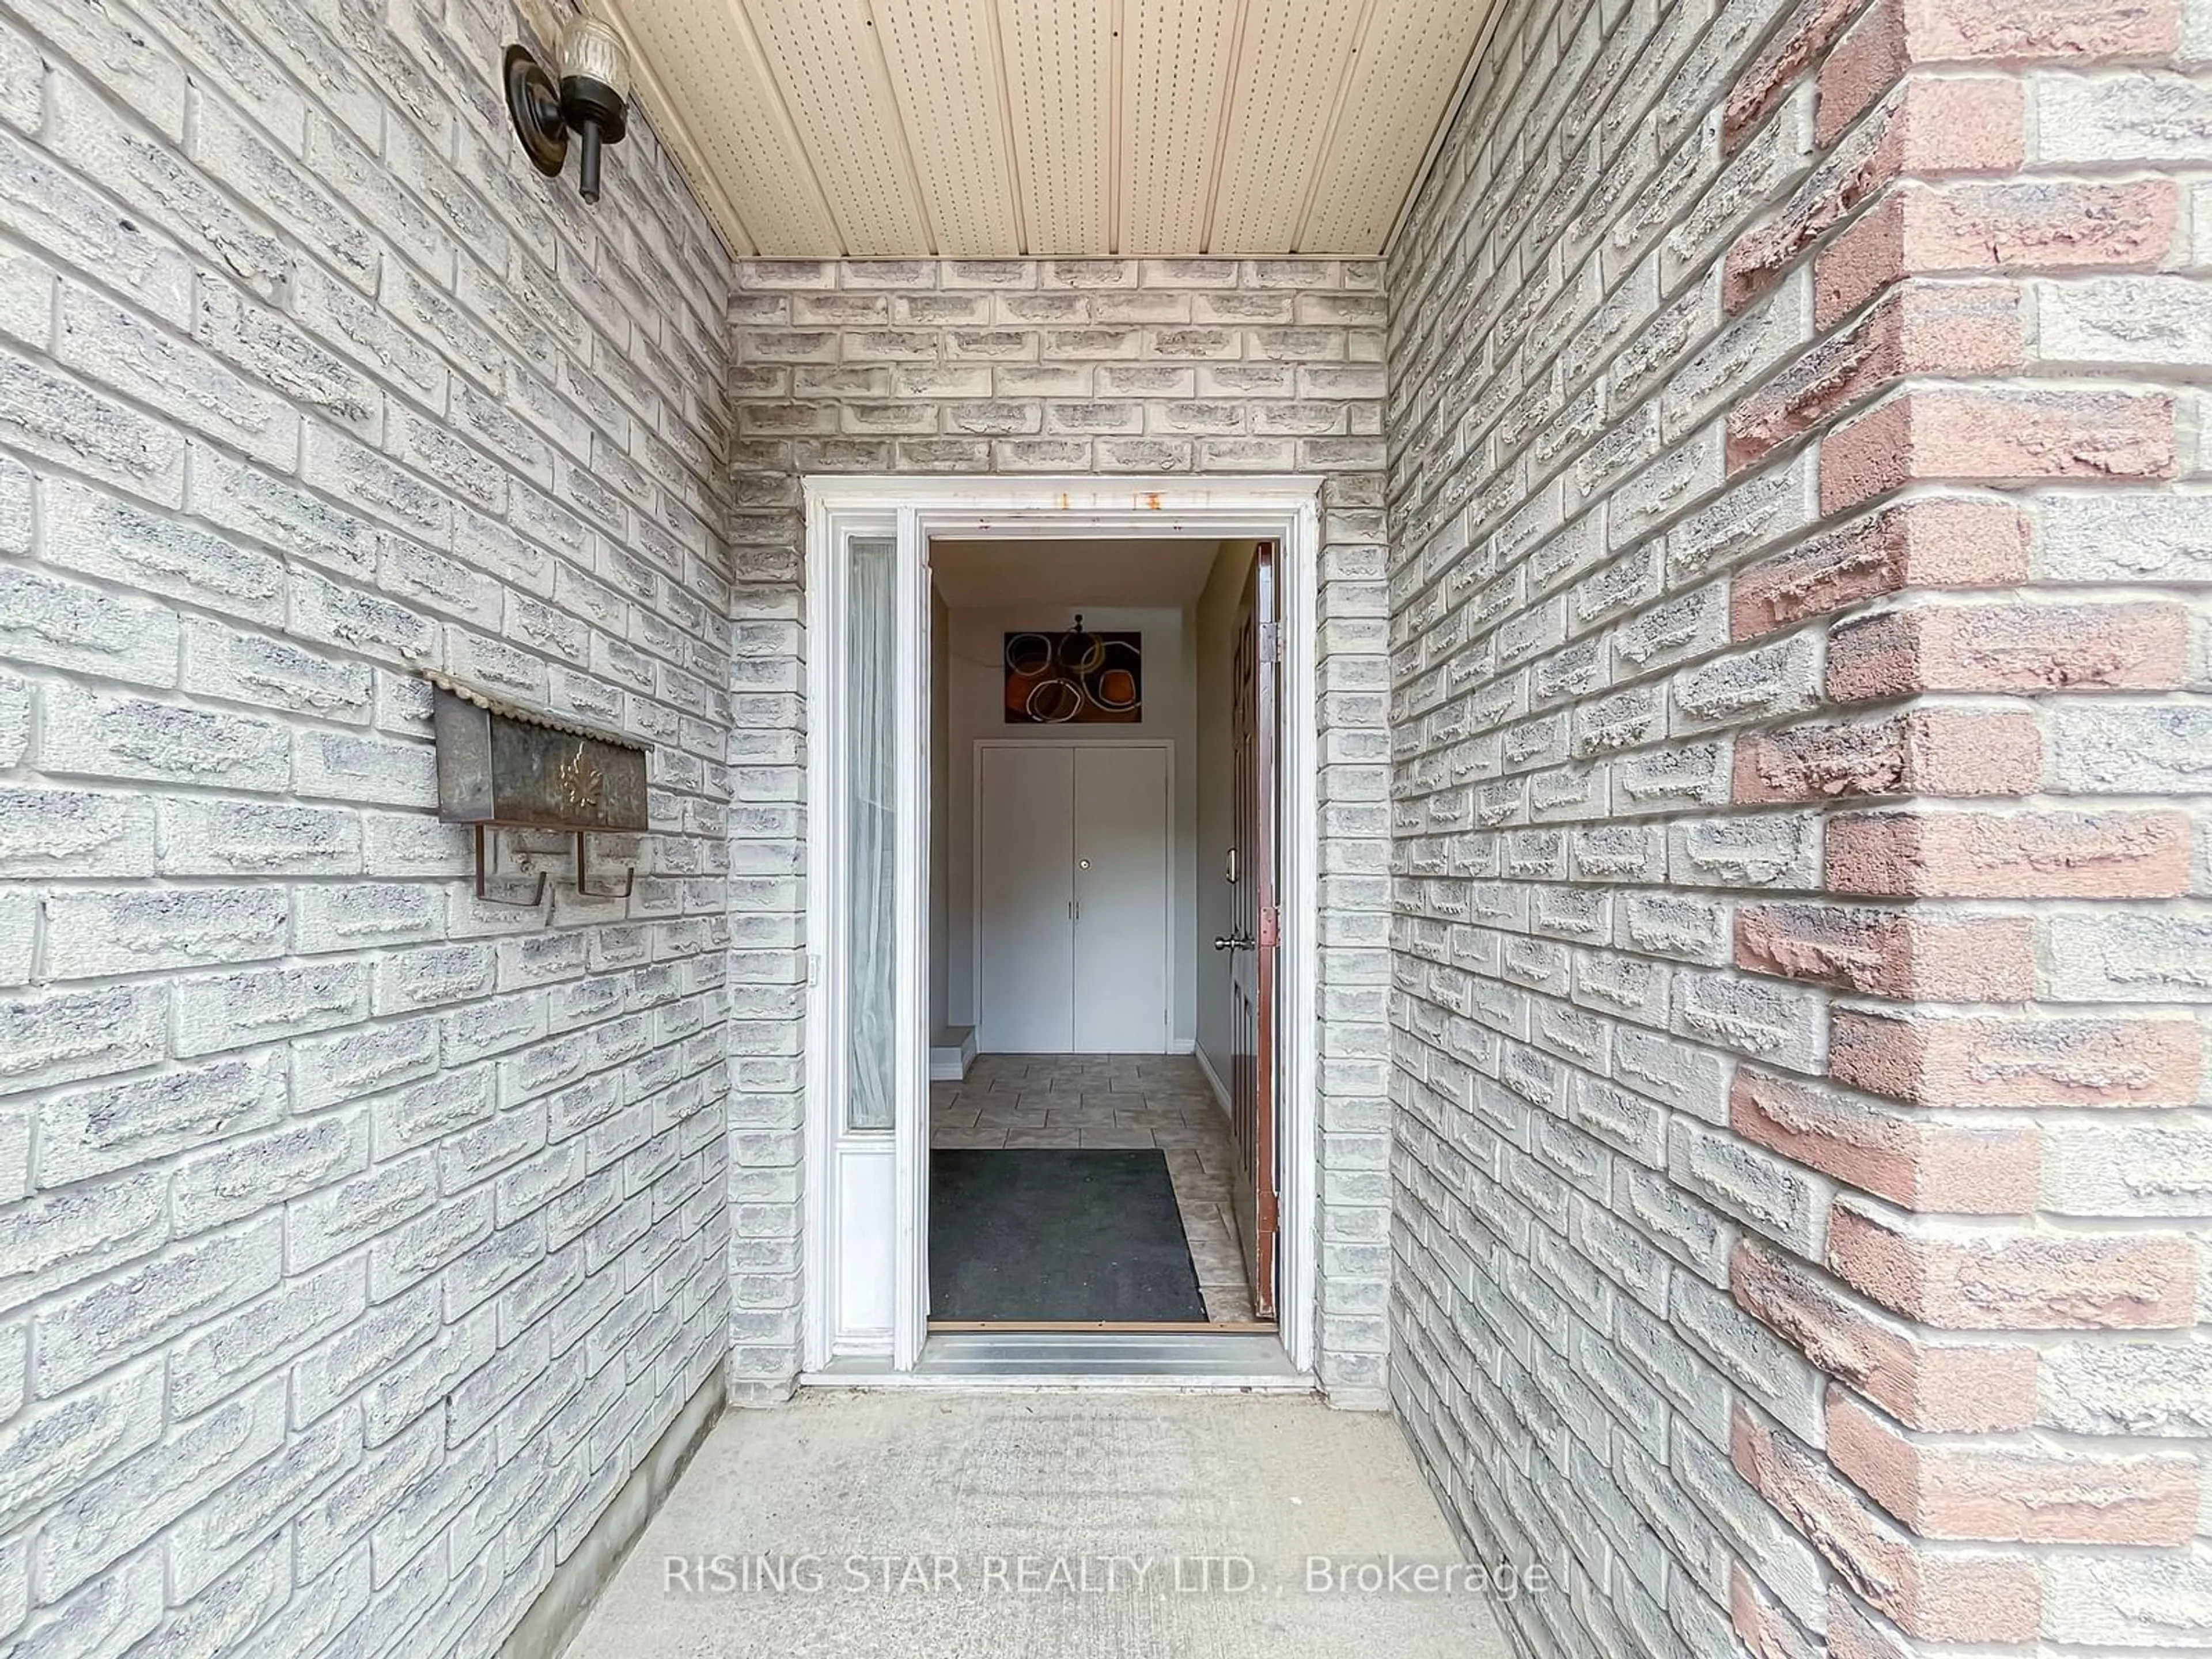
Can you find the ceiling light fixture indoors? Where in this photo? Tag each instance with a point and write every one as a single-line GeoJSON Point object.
{"type": "Point", "coordinates": [592, 100]}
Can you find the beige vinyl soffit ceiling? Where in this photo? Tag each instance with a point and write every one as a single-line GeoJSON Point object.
{"type": "Point", "coordinates": [995, 129]}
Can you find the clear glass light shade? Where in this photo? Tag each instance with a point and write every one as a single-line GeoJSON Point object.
{"type": "Point", "coordinates": [592, 50]}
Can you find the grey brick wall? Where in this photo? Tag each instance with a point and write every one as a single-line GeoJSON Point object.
{"type": "Point", "coordinates": [1799, 954]}
{"type": "Point", "coordinates": [355, 1239]}
{"type": "Point", "coordinates": [1211, 367]}
{"type": "Point", "coordinates": [1564, 695]}
{"type": "Point", "coordinates": [1769, 1193]}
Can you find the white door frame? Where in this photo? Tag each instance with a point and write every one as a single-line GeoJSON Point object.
{"type": "Point", "coordinates": [866, 1191]}
{"type": "Point", "coordinates": [1166, 746]}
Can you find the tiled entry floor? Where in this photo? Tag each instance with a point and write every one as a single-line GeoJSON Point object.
{"type": "Point", "coordinates": [1114, 1100]}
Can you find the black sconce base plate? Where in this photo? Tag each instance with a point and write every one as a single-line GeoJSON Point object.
{"type": "Point", "coordinates": [536, 108]}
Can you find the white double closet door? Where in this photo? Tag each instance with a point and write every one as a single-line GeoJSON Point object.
{"type": "Point", "coordinates": [1072, 897]}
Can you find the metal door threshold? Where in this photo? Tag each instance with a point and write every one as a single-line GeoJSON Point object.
{"type": "Point", "coordinates": [1051, 1359]}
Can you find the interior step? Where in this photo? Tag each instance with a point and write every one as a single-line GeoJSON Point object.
{"type": "Point", "coordinates": [952, 1052]}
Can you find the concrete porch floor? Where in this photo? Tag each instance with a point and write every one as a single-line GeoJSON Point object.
{"type": "Point", "coordinates": [1179, 1481]}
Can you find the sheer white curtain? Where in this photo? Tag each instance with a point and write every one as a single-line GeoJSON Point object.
{"type": "Point", "coordinates": [871, 649]}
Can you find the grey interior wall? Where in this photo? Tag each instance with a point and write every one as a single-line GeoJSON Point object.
{"type": "Point", "coordinates": [976, 687]}
{"type": "Point", "coordinates": [357, 1239]}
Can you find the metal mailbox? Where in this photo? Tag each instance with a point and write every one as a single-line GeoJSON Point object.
{"type": "Point", "coordinates": [501, 766]}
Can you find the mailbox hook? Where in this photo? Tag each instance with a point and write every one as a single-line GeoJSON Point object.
{"type": "Point", "coordinates": [583, 881]}
{"type": "Point", "coordinates": [487, 874]}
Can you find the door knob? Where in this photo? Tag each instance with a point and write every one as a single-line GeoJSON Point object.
{"type": "Point", "coordinates": [1234, 942]}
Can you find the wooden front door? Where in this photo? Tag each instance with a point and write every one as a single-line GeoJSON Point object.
{"type": "Point", "coordinates": [1255, 926]}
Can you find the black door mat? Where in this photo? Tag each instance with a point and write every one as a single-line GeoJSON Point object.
{"type": "Point", "coordinates": [1055, 1233]}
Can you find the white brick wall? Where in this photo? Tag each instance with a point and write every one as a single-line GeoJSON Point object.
{"type": "Point", "coordinates": [355, 1239]}
{"type": "Point", "coordinates": [1566, 1015]}
{"type": "Point", "coordinates": [1210, 367]}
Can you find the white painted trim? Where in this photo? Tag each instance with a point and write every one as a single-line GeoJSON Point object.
{"type": "Point", "coordinates": [827, 1140]}
{"type": "Point", "coordinates": [910, 928]}
{"type": "Point", "coordinates": [984, 506]}
{"type": "Point", "coordinates": [1299, 902]}
{"type": "Point", "coordinates": [818, 1238]}
{"type": "Point", "coordinates": [976, 877]}
{"type": "Point", "coordinates": [1285, 509]}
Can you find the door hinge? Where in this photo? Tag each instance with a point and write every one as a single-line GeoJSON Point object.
{"type": "Point", "coordinates": [1267, 940]}
{"type": "Point", "coordinates": [1270, 643]}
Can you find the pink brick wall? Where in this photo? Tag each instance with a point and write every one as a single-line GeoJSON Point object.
{"type": "Point", "coordinates": [1799, 570]}
{"type": "Point", "coordinates": [2013, 762]}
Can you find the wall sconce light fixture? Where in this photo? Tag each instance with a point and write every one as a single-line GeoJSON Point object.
{"type": "Point", "coordinates": [592, 100]}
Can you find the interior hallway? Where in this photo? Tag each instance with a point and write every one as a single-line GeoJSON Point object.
{"type": "Point", "coordinates": [1046, 1478]}
{"type": "Point", "coordinates": [1118, 1101]}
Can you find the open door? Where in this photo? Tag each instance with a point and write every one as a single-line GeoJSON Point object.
{"type": "Point", "coordinates": [1254, 925]}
